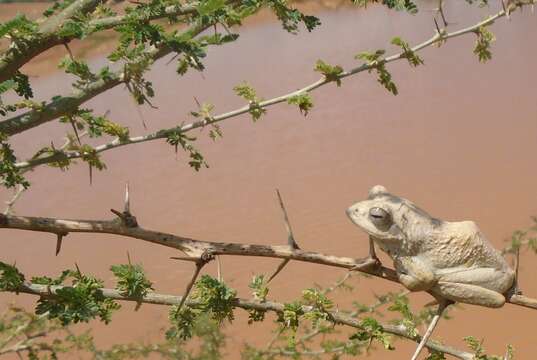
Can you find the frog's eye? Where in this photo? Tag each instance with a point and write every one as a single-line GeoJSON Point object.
{"type": "Point", "coordinates": [380, 217]}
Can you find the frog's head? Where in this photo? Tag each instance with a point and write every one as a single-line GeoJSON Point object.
{"type": "Point", "coordinates": [387, 217]}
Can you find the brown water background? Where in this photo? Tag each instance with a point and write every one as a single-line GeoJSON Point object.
{"type": "Point", "coordinates": [459, 140]}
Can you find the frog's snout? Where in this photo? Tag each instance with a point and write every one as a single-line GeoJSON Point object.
{"type": "Point", "coordinates": [353, 211]}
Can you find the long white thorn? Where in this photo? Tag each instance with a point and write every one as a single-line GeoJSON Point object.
{"type": "Point", "coordinates": [127, 208]}
{"type": "Point", "coordinates": [442, 305]}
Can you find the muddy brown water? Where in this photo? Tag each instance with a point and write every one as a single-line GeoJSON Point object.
{"type": "Point", "coordinates": [459, 140]}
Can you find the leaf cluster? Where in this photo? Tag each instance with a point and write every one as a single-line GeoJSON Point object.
{"type": "Point", "coordinates": [376, 62]}
{"type": "Point", "coordinates": [372, 330]}
{"type": "Point", "coordinates": [291, 18]}
{"type": "Point", "coordinates": [485, 38]}
{"type": "Point", "coordinates": [20, 29]}
{"type": "Point", "coordinates": [303, 101]}
{"type": "Point", "coordinates": [131, 280]}
{"type": "Point", "coordinates": [260, 291]}
{"type": "Point", "coordinates": [479, 351]}
{"type": "Point", "coordinates": [178, 138]}
{"type": "Point", "coordinates": [247, 92]}
{"type": "Point", "coordinates": [10, 175]}
{"type": "Point", "coordinates": [11, 279]}
{"type": "Point", "coordinates": [212, 298]}
{"type": "Point", "coordinates": [413, 59]}
{"type": "Point", "coordinates": [408, 320]}
{"type": "Point", "coordinates": [330, 72]}
{"type": "Point", "coordinates": [81, 301]}
{"type": "Point", "coordinates": [399, 5]}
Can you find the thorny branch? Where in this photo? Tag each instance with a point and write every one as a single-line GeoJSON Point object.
{"type": "Point", "coordinates": [199, 249]}
{"type": "Point", "coordinates": [162, 299]}
{"type": "Point", "coordinates": [440, 36]}
{"type": "Point", "coordinates": [68, 103]}
{"type": "Point", "coordinates": [14, 58]}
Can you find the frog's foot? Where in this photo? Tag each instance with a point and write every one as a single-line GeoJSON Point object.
{"type": "Point", "coordinates": [515, 290]}
{"type": "Point", "coordinates": [469, 294]}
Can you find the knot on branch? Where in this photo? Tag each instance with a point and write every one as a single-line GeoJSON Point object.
{"type": "Point", "coordinates": [206, 256]}
{"type": "Point", "coordinates": [127, 219]}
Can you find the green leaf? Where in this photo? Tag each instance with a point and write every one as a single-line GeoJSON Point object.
{"type": "Point", "coordinates": [259, 293]}
{"type": "Point", "coordinates": [245, 91]}
{"type": "Point", "coordinates": [20, 27]}
{"type": "Point", "coordinates": [398, 5]}
{"type": "Point", "coordinates": [376, 62]}
{"type": "Point", "coordinates": [303, 101]}
{"type": "Point", "coordinates": [183, 321]}
{"type": "Point", "coordinates": [290, 317]}
{"type": "Point", "coordinates": [215, 297]}
{"type": "Point", "coordinates": [370, 57]}
{"type": "Point", "coordinates": [91, 156]}
{"type": "Point", "coordinates": [485, 38]}
{"type": "Point", "coordinates": [178, 138]}
{"type": "Point", "coordinates": [291, 18]}
{"type": "Point", "coordinates": [11, 279]}
{"type": "Point", "coordinates": [131, 280]}
{"type": "Point", "coordinates": [413, 59]}
{"type": "Point", "coordinates": [435, 355]}
{"type": "Point", "coordinates": [372, 330]}
{"type": "Point", "coordinates": [9, 173]}
{"type": "Point", "coordinates": [331, 73]}
{"type": "Point", "coordinates": [208, 7]}
{"type": "Point", "coordinates": [80, 302]}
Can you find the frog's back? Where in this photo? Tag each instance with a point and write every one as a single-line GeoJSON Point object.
{"type": "Point", "coordinates": [463, 244]}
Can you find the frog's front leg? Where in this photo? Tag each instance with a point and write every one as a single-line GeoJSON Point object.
{"type": "Point", "coordinates": [414, 273]}
{"type": "Point", "coordinates": [477, 286]}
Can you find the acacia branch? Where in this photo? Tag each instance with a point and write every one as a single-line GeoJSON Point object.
{"type": "Point", "coordinates": [164, 133]}
{"type": "Point", "coordinates": [172, 10]}
{"type": "Point", "coordinates": [16, 56]}
{"type": "Point", "coordinates": [337, 317]}
{"type": "Point", "coordinates": [19, 54]}
{"type": "Point", "coordinates": [203, 249]}
{"type": "Point", "coordinates": [66, 104]}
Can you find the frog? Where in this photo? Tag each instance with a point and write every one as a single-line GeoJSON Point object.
{"type": "Point", "coordinates": [452, 261]}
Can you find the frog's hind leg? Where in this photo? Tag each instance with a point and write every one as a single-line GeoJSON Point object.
{"type": "Point", "coordinates": [469, 294]}
{"type": "Point", "coordinates": [477, 286]}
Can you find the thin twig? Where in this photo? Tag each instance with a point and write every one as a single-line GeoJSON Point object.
{"type": "Point", "coordinates": [163, 133]}
{"type": "Point", "coordinates": [338, 318]}
{"type": "Point", "coordinates": [11, 202]}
